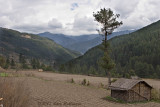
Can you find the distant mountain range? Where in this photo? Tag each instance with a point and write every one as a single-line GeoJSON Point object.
{"type": "Point", "coordinates": [12, 43]}
{"type": "Point", "coordinates": [80, 43]}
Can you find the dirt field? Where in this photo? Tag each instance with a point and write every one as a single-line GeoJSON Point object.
{"type": "Point", "coordinates": [54, 90]}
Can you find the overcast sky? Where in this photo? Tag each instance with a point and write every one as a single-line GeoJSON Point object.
{"type": "Point", "coordinates": [74, 17]}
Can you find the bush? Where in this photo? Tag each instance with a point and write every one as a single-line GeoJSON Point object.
{"type": "Point", "coordinates": [72, 80]}
{"type": "Point", "coordinates": [14, 93]}
{"type": "Point", "coordinates": [84, 82]}
{"type": "Point", "coordinates": [88, 83]}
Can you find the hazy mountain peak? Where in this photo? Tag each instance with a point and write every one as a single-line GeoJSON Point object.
{"type": "Point", "coordinates": [80, 43]}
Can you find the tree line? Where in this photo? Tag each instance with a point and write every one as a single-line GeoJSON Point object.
{"type": "Point", "coordinates": [23, 63]}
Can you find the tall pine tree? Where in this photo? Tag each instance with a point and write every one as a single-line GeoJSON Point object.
{"type": "Point", "coordinates": [108, 22]}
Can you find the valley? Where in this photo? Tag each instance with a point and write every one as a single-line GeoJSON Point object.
{"type": "Point", "coordinates": [81, 43]}
{"type": "Point", "coordinates": [79, 53]}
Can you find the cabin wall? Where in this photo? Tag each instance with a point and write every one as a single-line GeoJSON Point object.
{"type": "Point", "coordinates": [118, 94]}
{"type": "Point", "coordinates": [140, 92]}
{"type": "Point", "coordinates": [145, 91]}
{"type": "Point", "coordinates": [135, 97]}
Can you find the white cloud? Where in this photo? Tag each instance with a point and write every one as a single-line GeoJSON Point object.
{"type": "Point", "coordinates": [84, 23]}
{"type": "Point", "coordinates": [54, 24]}
{"type": "Point", "coordinates": [73, 17]}
{"type": "Point", "coordinates": [5, 21]}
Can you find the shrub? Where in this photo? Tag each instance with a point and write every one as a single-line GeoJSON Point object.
{"type": "Point", "coordinates": [84, 82]}
{"type": "Point", "coordinates": [88, 83]}
{"type": "Point", "coordinates": [72, 80]}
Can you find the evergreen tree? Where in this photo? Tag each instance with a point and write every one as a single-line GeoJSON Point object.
{"type": "Point", "coordinates": [84, 69]}
{"type": "Point", "coordinates": [108, 23]}
{"type": "Point", "coordinates": [12, 63]}
{"type": "Point", "coordinates": [62, 68]}
{"type": "Point", "coordinates": [33, 63]}
{"type": "Point", "coordinates": [2, 61]}
{"type": "Point", "coordinates": [92, 70]}
{"type": "Point", "coordinates": [23, 61]}
{"type": "Point", "coordinates": [38, 64]}
{"type": "Point", "coordinates": [7, 63]}
{"type": "Point", "coordinates": [158, 70]}
{"type": "Point", "coordinates": [20, 57]}
{"type": "Point", "coordinates": [43, 67]}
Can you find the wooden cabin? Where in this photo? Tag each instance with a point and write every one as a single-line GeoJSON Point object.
{"type": "Point", "coordinates": [131, 90]}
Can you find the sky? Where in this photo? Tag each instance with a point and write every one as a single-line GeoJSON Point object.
{"type": "Point", "coordinates": [74, 17]}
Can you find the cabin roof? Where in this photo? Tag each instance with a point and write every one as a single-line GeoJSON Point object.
{"type": "Point", "coordinates": [126, 84]}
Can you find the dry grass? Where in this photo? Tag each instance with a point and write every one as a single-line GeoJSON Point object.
{"type": "Point", "coordinates": [57, 92]}
{"type": "Point", "coordinates": [155, 94]}
{"type": "Point", "coordinates": [29, 74]}
{"type": "Point", "coordinates": [13, 92]}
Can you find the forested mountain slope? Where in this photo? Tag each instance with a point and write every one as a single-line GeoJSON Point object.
{"type": "Point", "coordinates": [135, 53]}
{"type": "Point", "coordinates": [13, 43]}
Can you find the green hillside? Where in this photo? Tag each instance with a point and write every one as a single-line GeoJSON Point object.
{"type": "Point", "coordinates": [12, 43]}
{"type": "Point", "coordinates": [135, 53]}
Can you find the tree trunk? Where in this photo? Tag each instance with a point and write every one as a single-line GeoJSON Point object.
{"type": "Point", "coordinates": [109, 79]}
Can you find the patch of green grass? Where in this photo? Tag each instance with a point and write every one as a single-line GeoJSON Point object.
{"type": "Point", "coordinates": [109, 98]}
{"type": "Point", "coordinates": [3, 75]}
{"type": "Point", "coordinates": [155, 100]}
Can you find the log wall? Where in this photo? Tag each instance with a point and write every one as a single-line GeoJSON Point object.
{"type": "Point", "coordinates": [140, 92]}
